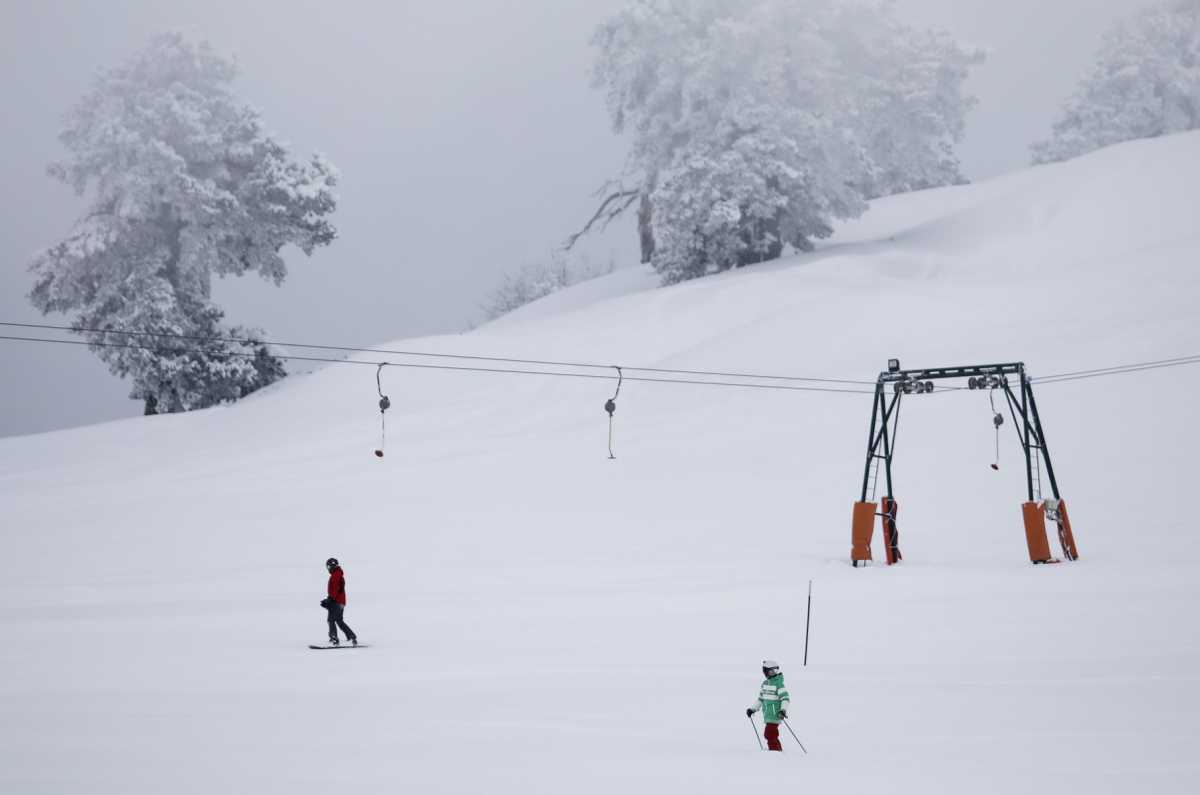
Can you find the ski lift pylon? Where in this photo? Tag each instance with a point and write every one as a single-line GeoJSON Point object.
{"type": "Point", "coordinates": [1027, 423]}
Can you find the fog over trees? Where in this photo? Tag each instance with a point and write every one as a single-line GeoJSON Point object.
{"type": "Point", "coordinates": [752, 127]}
{"type": "Point", "coordinates": [1145, 82]}
{"type": "Point", "coordinates": [540, 278]}
{"type": "Point", "coordinates": [754, 124]}
{"type": "Point", "coordinates": [185, 183]}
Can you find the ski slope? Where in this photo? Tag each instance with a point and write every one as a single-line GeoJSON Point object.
{"type": "Point", "coordinates": [546, 620]}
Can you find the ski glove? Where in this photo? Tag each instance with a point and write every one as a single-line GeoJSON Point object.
{"type": "Point", "coordinates": [749, 712]}
{"type": "Point", "coordinates": [783, 714]}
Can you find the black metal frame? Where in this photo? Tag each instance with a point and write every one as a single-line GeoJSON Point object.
{"type": "Point", "coordinates": [885, 412]}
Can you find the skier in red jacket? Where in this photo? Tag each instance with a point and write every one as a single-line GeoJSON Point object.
{"type": "Point", "coordinates": [335, 603]}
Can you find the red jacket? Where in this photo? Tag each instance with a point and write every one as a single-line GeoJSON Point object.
{"type": "Point", "coordinates": [337, 586]}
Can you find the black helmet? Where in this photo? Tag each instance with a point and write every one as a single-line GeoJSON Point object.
{"type": "Point", "coordinates": [331, 564]}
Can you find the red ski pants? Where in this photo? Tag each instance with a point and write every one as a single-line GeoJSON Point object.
{"type": "Point", "coordinates": [771, 732]}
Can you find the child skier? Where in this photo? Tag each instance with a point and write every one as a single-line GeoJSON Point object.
{"type": "Point", "coordinates": [773, 700]}
{"type": "Point", "coordinates": [335, 603]}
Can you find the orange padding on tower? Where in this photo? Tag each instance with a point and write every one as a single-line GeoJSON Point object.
{"type": "Point", "coordinates": [1035, 532]}
{"type": "Point", "coordinates": [1065, 536]}
{"type": "Point", "coordinates": [861, 529]}
{"type": "Point", "coordinates": [891, 534]}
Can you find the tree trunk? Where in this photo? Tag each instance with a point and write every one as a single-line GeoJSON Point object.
{"type": "Point", "coordinates": [754, 251]}
{"type": "Point", "coordinates": [151, 405]}
{"type": "Point", "coordinates": [645, 227]}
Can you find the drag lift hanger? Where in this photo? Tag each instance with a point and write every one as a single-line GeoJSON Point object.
{"type": "Point", "coordinates": [385, 403]}
{"type": "Point", "coordinates": [610, 406]}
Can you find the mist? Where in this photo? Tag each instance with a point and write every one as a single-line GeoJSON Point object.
{"type": "Point", "coordinates": [467, 134]}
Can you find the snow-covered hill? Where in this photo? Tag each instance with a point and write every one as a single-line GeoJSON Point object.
{"type": "Point", "coordinates": [544, 619]}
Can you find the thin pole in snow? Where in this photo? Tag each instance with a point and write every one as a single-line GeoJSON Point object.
{"type": "Point", "coordinates": [754, 729]}
{"type": "Point", "coordinates": [789, 728]}
{"type": "Point", "coordinates": [807, 620]}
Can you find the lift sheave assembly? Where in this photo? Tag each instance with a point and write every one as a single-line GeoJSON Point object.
{"type": "Point", "coordinates": [885, 420]}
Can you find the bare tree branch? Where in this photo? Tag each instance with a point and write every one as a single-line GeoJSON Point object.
{"type": "Point", "coordinates": [610, 209]}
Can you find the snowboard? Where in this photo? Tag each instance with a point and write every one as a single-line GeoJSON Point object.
{"type": "Point", "coordinates": [344, 646]}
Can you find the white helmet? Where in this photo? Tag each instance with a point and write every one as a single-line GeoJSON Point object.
{"type": "Point", "coordinates": [770, 668]}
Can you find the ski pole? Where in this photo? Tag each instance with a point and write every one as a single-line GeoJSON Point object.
{"type": "Point", "coordinates": [789, 728]}
{"type": "Point", "coordinates": [807, 620]}
{"type": "Point", "coordinates": [754, 729]}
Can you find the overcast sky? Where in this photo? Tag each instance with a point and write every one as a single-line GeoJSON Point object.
{"type": "Point", "coordinates": [467, 134]}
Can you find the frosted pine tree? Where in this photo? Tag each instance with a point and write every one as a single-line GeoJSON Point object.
{"type": "Point", "coordinates": [756, 123]}
{"type": "Point", "coordinates": [1144, 83]}
{"type": "Point", "coordinates": [184, 183]}
{"type": "Point", "coordinates": [910, 107]}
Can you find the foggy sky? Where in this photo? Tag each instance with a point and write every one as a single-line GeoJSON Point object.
{"type": "Point", "coordinates": [466, 132]}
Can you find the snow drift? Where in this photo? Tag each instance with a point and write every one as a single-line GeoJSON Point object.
{"type": "Point", "coordinates": [543, 619]}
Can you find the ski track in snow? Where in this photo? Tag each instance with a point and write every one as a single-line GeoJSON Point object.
{"type": "Point", "coordinates": [542, 619]}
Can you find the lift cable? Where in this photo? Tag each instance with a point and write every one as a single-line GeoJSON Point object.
{"type": "Point", "coordinates": [1046, 379]}
{"type": "Point", "coordinates": [458, 368]}
{"type": "Point", "coordinates": [1117, 370]}
{"type": "Point", "coordinates": [458, 356]}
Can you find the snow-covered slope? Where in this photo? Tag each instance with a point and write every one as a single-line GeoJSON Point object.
{"type": "Point", "coordinates": [613, 285]}
{"type": "Point", "coordinates": [544, 619]}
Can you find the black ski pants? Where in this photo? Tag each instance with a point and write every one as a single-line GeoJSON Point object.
{"type": "Point", "coordinates": [336, 611]}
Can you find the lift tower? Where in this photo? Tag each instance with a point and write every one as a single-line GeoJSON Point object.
{"type": "Point", "coordinates": [885, 420]}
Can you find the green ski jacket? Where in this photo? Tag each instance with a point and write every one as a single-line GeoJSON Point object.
{"type": "Point", "coordinates": [772, 697]}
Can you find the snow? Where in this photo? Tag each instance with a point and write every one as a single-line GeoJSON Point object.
{"type": "Point", "coordinates": [159, 145]}
{"type": "Point", "coordinates": [1142, 84]}
{"type": "Point", "coordinates": [755, 124]}
{"type": "Point", "coordinates": [543, 619]}
{"type": "Point", "coordinates": [584, 294]}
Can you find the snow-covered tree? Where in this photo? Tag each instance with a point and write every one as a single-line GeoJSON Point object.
{"type": "Point", "coordinates": [537, 280]}
{"type": "Point", "coordinates": [183, 182]}
{"type": "Point", "coordinates": [755, 123]}
{"type": "Point", "coordinates": [1145, 82]}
